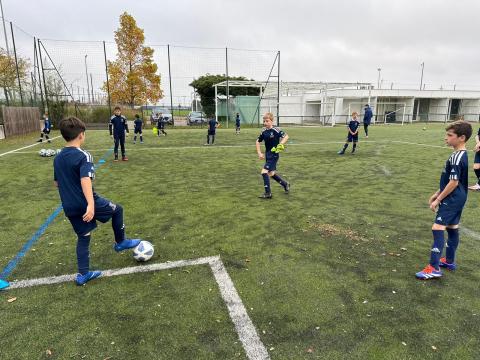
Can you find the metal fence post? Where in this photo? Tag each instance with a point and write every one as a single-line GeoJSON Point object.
{"type": "Point", "coordinates": [16, 63]}
{"type": "Point", "coordinates": [170, 81]}
{"type": "Point", "coordinates": [108, 85]}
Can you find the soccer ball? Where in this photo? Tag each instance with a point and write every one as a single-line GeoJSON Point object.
{"type": "Point", "coordinates": [144, 251]}
{"type": "Point", "coordinates": [42, 152]}
{"type": "Point", "coordinates": [424, 129]}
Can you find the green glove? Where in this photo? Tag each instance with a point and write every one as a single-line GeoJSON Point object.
{"type": "Point", "coordinates": [279, 148]}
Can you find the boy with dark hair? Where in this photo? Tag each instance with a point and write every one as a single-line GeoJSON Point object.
{"type": "Point", "coordinates": [352, 134]}
{"type": "Point", "coordinates": [47, 126]}
{"type": "Point", "coordinates": [476, 163]}
{"type": "Point", "coordinates": [448, 202]}
{"type": "Point", "coordinates": [161, 125]}
{"type": "Point", "coordinates": [118, 125]}
{"type": "Point", "coordinates": [73, 175]}
{"type": "Point", "coordinates": [237, 124]}
{"type": "Point", "coordinates": [212, 127]}
{"type": "Point", "coordinates": [367, 119]}
{"type": "Point", "coordinates": [275, 140]}
{"type": "Point", "coordinates": [138, 124]}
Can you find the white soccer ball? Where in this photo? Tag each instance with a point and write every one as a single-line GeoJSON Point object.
{"type": "Point", "coordinates": [42, 152]}
{"type": "Point", "coordinates": [144, 251]}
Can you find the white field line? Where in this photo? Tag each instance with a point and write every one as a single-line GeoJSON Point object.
{"type": "Point", "coordinates": [420, 144]}
{"type": "Point", "coordinates": [385, 170]}
{"type": "Point", "coordinates": [142, 147]}
{"type": "Point", "coordinates": [25, 147]}
{"type": "Point", "coordinates": [471, 233]}
{"type": "Point", "coordinates": [254, 348]}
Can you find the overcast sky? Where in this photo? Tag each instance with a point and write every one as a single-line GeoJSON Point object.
{"type": "Point", "coordinates": [335, 40]}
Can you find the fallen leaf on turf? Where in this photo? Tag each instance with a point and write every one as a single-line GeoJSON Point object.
{"type": "Point", "coordinates": [403, 249]}
{"type": "Point", "coordinates": [309, 350]}
{"type": "Point", "coordinates": [12, 299]}
{"type": "Point", "coordinates": [434, 347]}
{"type": "Point", "coordinates": [247, 260]}
{"type": "Point", "coordinates": [404, 343]}
{"type": "Point", "coordinates": [48, 352]}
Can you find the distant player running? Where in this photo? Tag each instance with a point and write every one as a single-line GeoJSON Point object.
{"type": "Point", "coordinates": [47, 126]}
{"type": "Point", "coordinates": [352, 134]}
{"type": "Point", "coordinates": [275, 140]}
{"type": "Point", "coordinates": [448, 202]}
{"type": "Point", "coordinates": [367, 119]}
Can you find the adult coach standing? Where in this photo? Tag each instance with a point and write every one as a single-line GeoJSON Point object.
{"type": "Point", "coordinates": [367, 118]}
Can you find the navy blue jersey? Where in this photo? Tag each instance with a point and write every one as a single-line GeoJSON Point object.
{"type": "Point", "coordinates": [138, 124]}
{"type": "Point", "coordinates": [69, 166]}
{"type": "Point", "coordinates": [271, 137]}
{"type": "Point", "coordinates": [160, 123]}
{"type": "Point", "coordinates": [48, 125]}
{"type": "Point", "coordinates": [367, 117]}
{"type": "Point", "coordinates": [237, 121]}
{"type": "Point", "coordinates": [119, 123]}
{"type": "Point", "coordinates": [353, 125]}
{"type": "Point", "coordinates": [478, 133]}
{"type": "Point", "coordinates": [212, 125]}
{"type": "Point", "coordinates": [456, 168]}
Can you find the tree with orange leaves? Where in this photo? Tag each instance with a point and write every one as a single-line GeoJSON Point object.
{"type": "Point", "coordinates": [133, 75]}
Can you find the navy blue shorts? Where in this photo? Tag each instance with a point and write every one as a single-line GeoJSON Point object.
{"type": "Point", "coordinates": [447, 215]}
{"type": "Point", "coordinates": [271, 161]}
{"type": "Point", "coordinates": [46, 131]}
{"type": "Point", "coordinates": [477, 158]}
{"type": "Point", "coordinates": [351, 138]}
{"type": "Point", "coordinates": [137, 131]}
{"type": "Point", "coordinates": [211, 132]}
{"type": "Point", "coordinates": [104, 210]}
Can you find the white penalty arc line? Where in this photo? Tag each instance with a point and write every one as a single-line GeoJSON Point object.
{"type": "Point", "coordinates": [247, 333]}
{"type": "Point", "coordinates": [26, 147]}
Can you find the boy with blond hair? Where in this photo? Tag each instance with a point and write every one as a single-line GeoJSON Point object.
{"type": "Point", "coordinates": [275, 140]}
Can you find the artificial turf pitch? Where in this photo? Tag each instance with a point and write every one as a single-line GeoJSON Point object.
{"type": "Point", "coordinates": [326, 271]}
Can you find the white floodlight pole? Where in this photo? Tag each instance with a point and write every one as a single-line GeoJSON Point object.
{"type": "Point", "coordinates": [216, 104]}
{"type": "Point", "coordinates": [4, 29]}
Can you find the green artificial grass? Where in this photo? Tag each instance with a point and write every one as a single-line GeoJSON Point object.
{"type": "Point", "coordinates": [326, 271]}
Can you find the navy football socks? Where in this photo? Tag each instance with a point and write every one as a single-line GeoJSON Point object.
{"type": "Point", "coordinates": [437, 248]}
{"type": "Point", "coordinates": [117, 224]}
{"type": "Point", "coordinates": [266, 183]}
{"type": "Point", "coordinates": [452, 244]}
{"type": "Point", "coordinates": [83, 254]}
{"type": "Point", "coordinates": [477, 174]}
{"type": "Point", "coordinates": [278, 179]}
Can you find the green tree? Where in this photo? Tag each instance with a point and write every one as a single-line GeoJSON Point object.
{"type": "Point", "coordinates": [8, 72]}
{"type": "Point", "coordinates": [133, 75]}
{"type": "Point", "coordinates": [204, 87]}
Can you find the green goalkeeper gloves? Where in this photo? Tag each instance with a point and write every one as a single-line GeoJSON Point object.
{"type": "Point", "coordinates": [278, 149]}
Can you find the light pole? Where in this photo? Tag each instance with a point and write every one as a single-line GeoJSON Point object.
{"type": "Point", "coordinates": [421, 78]}
{"type": "Point", "coordinates": [378, 81]}
{"type": "Point", "coordinates": [4, 29]}
{"type": "Point", "coordinates": [86, 75]}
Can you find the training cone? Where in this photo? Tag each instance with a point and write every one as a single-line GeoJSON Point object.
{"type": "Point", "coordinates": [3, 284]}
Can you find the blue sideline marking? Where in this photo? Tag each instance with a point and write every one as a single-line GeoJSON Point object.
{"type": "Point", "coordinates": [13, 263]}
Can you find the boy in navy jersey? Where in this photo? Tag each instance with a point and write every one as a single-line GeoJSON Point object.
{"type": "Point", "coordinates": [73, 175]}
{"type": "Point", "coordinates": [161, 125]}
{"type": "Point", "coordinates": [448, 202]}
{"type": "Point", "coordinates": [118, 125]}
{"type": "Point", "coordinates": [352, 134]}
{"type": "Point", "coordinates": [47, 126]}
{"type": "Point", "coordinates": [237, 124]}
{"type": "Point", "coordinates": [275, 140]}
{"type": "Point", "coordinates": [138, 124]}
{"type": "Point", "coordinates": [212, 127]}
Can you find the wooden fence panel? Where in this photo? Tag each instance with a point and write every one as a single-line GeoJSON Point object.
{"type": "Point", "coordinates": [20, 120]}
